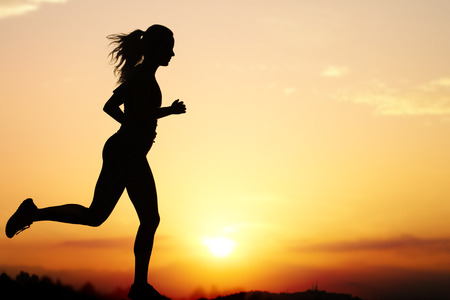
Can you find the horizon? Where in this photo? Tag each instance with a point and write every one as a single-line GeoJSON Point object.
{"type": "Point", "coordinates": [314, 147]}
{"type": "Point", "coordinates": [30, 284]}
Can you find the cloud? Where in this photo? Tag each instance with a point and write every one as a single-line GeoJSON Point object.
{"type": "Point", "coordinates": [398, 243]}
{"type": "Point", "coordinates": [12, 8]}
{"type": "Point", "coordinates": [289, 91]}
{"type": "Point", "coordinates": [110, 243]}
{"type": "Point", "coordinates": [435, 85]}
{"type": "Point", "coordinates": [430, 98]}
{"type": "Point", "coordinates": [98, 243]}
{"type": "Point", "coordinates": [335, 71]}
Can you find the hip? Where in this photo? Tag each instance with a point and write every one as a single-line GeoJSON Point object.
{"type": "Point", "coordinates": [123, 145]}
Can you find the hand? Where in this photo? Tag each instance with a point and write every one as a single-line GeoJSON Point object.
{"type": "Point", "coordinates": [178, 107]}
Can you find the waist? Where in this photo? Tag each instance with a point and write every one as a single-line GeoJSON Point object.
{"type": "Point", "coordinates": [139, 129]}
{"type": "Point", "coordinates": [138, 134]}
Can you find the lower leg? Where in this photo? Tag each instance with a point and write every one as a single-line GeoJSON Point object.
{"type": "Point", "coordinates": [68, 213]}
{"type": "Point", "coordinates": [143, 246]}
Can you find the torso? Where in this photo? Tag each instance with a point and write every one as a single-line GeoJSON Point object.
{"type": "Point", "coordinates": [142, 96]}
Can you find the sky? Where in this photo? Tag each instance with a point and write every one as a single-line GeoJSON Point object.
{"type": "Point", "coordinates": [315, 147]}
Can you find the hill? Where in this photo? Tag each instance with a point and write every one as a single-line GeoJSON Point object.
{"type": "Point", "coordinates": [26, 287]}
{"type": "Point", "coordinates": [307, 295]}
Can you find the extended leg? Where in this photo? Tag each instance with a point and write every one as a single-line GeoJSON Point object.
{"type": "Point", "coordinates": [109, 188]}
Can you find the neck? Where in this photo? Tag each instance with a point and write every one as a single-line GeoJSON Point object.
{"type": "Point", "coordinates": [150, 67]}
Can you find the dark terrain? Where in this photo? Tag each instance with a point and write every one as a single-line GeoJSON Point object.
{"type": "Point", "coordinates": [26, 287]}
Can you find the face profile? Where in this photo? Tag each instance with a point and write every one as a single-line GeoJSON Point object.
{"type": "Point", "coordinates": [165, 52]}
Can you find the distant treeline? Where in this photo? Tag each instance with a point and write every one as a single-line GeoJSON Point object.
{"type": "Point", "coordinates": [31, 287]}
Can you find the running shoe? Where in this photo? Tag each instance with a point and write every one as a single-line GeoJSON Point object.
{"type": "Point", "coordinates": [143, 292]}
{"type": "Point", "coordinates": [21, 219]}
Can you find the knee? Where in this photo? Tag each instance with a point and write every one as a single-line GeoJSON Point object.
{"type": "Point", "coordinates": [151, 223]}
{"type": "Point", "coordinates": [95, 221]}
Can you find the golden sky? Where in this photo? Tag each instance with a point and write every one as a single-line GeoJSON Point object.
{"type": "Point", "coordinates": [315, 147]}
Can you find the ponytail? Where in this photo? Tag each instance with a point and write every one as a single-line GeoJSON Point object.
{"type": "Point", "coordinates": [130, 48]}
{"type": "Point", "coordinates": [127, 53]}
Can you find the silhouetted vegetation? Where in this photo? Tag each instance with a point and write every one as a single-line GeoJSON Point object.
{"type": "Point", "coordinates": [26, 287]}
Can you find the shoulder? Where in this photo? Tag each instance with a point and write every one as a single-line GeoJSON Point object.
{"type": "Point", "coordinates": [137, 74]}
{"type": "Point", "coordinates": [131, 82]}
{"type": "Point", "coordinates": [122, 89]}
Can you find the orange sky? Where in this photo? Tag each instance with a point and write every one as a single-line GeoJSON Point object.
{"type": "Point", "coordinates": [316, 142]}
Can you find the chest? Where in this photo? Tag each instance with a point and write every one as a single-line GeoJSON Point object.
{"type": "Point", "coordinates": [142, 96]}
{"type": "Point", "coordinates": [148, 94]}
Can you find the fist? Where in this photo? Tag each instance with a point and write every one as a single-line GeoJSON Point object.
{"type": "Point", "coordinates": [178, 107]}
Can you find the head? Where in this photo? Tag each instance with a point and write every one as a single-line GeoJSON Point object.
{"type": "Point", "coordinates": [157, 45]}
{"type": "Point", "coordinates": [154, 46]}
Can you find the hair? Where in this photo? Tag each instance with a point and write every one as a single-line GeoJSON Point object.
{"type": "Point", "coordinates": [131, 48]}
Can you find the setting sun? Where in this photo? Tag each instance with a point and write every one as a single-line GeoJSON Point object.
{"type": "Point", "coordinates": [219, 246]}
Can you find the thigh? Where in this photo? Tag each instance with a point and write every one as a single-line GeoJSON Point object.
{"type": "Point", "coordinates": [141, 189]}
{"type": "Point", "coordinates": [108, 190]}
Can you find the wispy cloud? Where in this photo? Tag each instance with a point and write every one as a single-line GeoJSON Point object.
{"type": "Point", "coordinates": [98, 243]}
{"type": "Point", "coordinates": [110, 243]}
{"type": "Point", "coordinates": [334, 71]}
{"type": "Point", "coordinates": [289, 90]}
{"type": "Point", "coordinates": [396, 243]}
{"type": "Point", "coordinates": [11, 8]}
{"type": "Point", "coordinates": [430, 98]}
{"type": "Point", "coordinates": [435, 85]}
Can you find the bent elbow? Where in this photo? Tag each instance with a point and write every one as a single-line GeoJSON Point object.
{"type": "Point", "coordinates": [109, 109]}
{"type": "Point", "coordinates": [106, 107]}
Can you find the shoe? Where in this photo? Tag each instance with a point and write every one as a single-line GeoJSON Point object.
{"type": "Point", "coordinates": [143, 292]}
{"type": "Point", "coordinates": [21, 219]}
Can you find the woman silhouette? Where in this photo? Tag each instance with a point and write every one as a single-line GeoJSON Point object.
{"type": "Point", "coordinates": [137, 56]}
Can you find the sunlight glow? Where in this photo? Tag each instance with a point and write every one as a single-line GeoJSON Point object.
{"type": "Point", "coordinates": [219, 246]}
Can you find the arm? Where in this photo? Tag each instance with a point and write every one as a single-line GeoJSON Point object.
{"type": "Point", "coordinates": [112, 108]}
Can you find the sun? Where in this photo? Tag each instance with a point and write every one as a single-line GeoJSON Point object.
{"type": "Point", "coordinates": [219, 246]}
